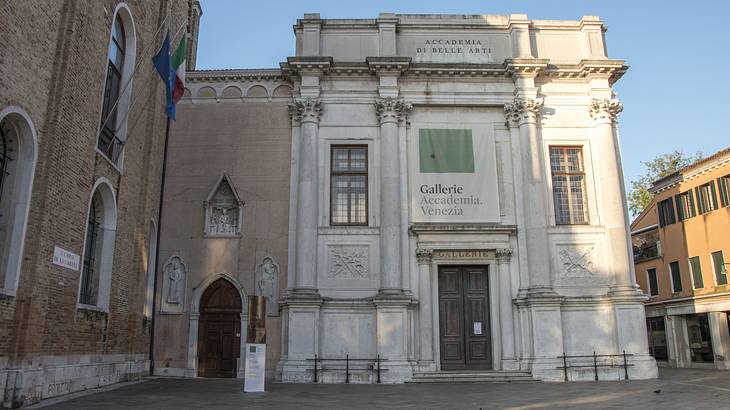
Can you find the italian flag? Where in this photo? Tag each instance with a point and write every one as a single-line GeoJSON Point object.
{"type": "Point", "coordinates": [177, 64]}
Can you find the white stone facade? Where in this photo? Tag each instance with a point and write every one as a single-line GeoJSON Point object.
{"type": "Point", "coordinates": [372, 290]}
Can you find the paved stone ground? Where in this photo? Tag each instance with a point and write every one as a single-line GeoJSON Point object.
{"type": "Point", "coordinates": [679, 389]}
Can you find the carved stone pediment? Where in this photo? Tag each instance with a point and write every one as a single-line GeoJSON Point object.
{"type": "Point", "coordinates": [223, 210]}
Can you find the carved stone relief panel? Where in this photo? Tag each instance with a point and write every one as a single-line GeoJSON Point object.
{"type": "Point", "coordinates": [267, 283]}
{"type": "Point", "coordinates": [223, 211]}
{"type": "Point", "coordinates": [576, 260]}
{"type": "Point", "coordinates": [175, 272]}
{"type": "Point", "coordinates": [348, 262]}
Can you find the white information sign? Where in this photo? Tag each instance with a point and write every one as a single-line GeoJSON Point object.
{"type": "Point", "coordinates": [62, 257]}
{"type": "Point", "coordinates": [453, 173]}
{"type": "Point", "coordinates": [477, 328]}
{"type": "Point", "coordinates": [255, 368]}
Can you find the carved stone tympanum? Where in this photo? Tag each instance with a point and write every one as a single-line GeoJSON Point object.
{"type": "Point", "coordinates": [223, 210]}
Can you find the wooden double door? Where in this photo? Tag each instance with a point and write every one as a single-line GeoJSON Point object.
{"type": "Point", "coordinates": [465, 334]}
{"type": "Point", "coordinates": [219, 330]}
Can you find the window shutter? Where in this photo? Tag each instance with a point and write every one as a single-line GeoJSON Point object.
{"type": "Point", "coordinates": [713, 201]}
{"type": "Point", "coordinates": [680, 207]}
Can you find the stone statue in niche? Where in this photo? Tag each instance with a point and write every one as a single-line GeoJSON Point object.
{"type": "Point", "coordinates": [223, 210]}
{"type": "Point", "coordinates": [175, 271]}
{"type": "Point", "coordinates": [267, 283]}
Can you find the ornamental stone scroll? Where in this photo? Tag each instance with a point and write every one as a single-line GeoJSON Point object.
{"type": "Point", "coordinates": [423, 256]}
{"type": "Point", "coordinates": [522, 109]}
{"type": "Point", "coordinates": [503, 255]}
{"type": "Point", "coordinates": [607, 108]}
{"type": "Point", "coordinates": [392, 109]}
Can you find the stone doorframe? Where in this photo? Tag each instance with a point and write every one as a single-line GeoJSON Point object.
{"type": "Point", "coordinates": [500, 302]}
{"type": "Point", "coordinates": [192, 368]}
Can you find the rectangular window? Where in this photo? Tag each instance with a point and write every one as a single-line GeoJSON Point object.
{"type": "Point", "coordinates": [706, 199]}
{"type": "Point", "coordinates": [666, 212]}
{"type": "Point", "coordinates": [349, 185]}
{"type": "Point", "coordinates": [723, 184]}
{"type": "Point", "coordinates": [657, 338]}
{"type": "Point", "coordinates": [718, 262]}
{"type": "Point", "coordinates": [652, 282]}
{"type": "Point", "coordinates": [685, 205]}
{"type": "Point", "coordinates": [676, 277]}
{"type": "Point", "coordinates": [696, 270]}
{"type": "Point", "coordinates": [569, 188]}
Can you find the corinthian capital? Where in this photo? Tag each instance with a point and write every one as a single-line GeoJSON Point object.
{"type": "Point", "coordinates": [305, 110]}
{"type": "Point", "coordinates": [523, 109]}
{"type": "Point", "coordinates": [503, 255]}
{"type": "Point", "coordinates": [424, 256]}
{"type": "Point", "coordinates": [392, 109]}
{"type": "Point", "coordinates": [607, 108]}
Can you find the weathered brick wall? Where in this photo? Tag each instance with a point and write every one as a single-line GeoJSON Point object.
{"type": "Point", "coordinates": [52, 64]}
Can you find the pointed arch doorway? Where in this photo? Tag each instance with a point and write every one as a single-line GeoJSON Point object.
{"type": "Point", "coordinates": [219, 332]}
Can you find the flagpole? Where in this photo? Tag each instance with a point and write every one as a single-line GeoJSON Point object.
{"type": "Point", "coordinates": [157, 253]}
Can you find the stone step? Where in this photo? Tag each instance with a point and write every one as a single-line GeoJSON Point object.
{"type": "Point", "coordinates": [472, 377]}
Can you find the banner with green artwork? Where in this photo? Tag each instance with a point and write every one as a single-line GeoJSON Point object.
{"type": "Point", "coordinates": [453, 174]}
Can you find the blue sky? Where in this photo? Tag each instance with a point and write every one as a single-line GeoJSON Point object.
{"type": "Point", "coordinates": [675, 94]}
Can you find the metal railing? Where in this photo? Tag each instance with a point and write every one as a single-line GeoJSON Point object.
{"type": "Point", "coordinates": [599, 360]}
{"type": "Point", "coordinates": [319, 367]}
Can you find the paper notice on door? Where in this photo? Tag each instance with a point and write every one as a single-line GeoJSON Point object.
{"type": "Point", "coordinates": [477, 328]}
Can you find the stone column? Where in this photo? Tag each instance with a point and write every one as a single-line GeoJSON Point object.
{"type": "Point", "coordinates": [613, 207]}
{"type": "Point", "coordinates": [720, 338]}
{"type": "Point", "coordinates": [390, 112]}
{"type": "Point", "coordinates": [523, 113]}
{"type": "Point", "coordinates": [425, 318]}
{"type": "Point", "coordinates": [505, 309]}
{"type": "Point", "coordinates": [308, 111]}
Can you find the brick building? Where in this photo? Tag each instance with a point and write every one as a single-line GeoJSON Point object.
{"type": "Point", "coordinates": [83, 130]}
{"type": "Point", "coordinates": [681, 249]}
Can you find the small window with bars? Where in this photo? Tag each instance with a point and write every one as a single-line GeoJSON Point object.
{"type": "Point", "coordinates": [349, 185]}
{"type": "Point", "coordinates": [666, 212]}
{"type": "Point", "coordinates": [723, 185]}
{"type": "Point", "coordinates": [569, 186]}
{"type": "Point", "coordinates": [706, 198]}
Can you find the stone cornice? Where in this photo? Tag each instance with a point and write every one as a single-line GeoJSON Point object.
{"type": "Point", "coordinates": [607, 108]}
{"type": "Point", "coordinates": [701, 167]}
{"type": "Point", "coordinates": [456, 70]}
{"type": "Point", "coordinates": [212, 76]}
{"type": "Point", "coordinates": [392, 109]}
{"type": "Point", "coordinates": [303, 65]}
{"type": "Point", "coordinates": [531, 67]}
{"type": "Point", "coordinates": [392, 65]}
{"type": "Point", "coordinates": [462, 228]}
{"type": "Point", "coordinates": [611, 69]}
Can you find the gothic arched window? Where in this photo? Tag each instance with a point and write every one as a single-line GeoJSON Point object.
{"type": "Point", "coordinates": [98, 252]}
{"type": "Point", "coordinates": [17, 164]}
{"type": "Point", "coordinates": [117, 85]}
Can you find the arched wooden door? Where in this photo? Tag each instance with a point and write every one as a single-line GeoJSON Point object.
{"type": "Point", "coordinates": [219, 332]}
